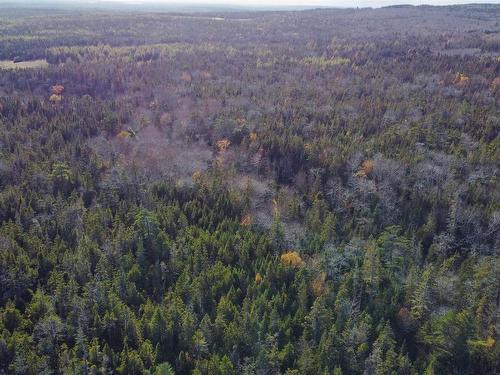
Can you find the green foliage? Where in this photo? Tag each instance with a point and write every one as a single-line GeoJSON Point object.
{"type": "Point", "coordinates": [163, 369]}
{"type": "Point", "coordinates": [306, 192]}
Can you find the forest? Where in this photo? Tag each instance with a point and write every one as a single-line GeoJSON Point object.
{"type": "Point", "coordinates": [280, 192]}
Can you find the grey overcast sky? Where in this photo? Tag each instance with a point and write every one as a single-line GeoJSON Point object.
{"type": "Point", "coordinates": [337, 3]}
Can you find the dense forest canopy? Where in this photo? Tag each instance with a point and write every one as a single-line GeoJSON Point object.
{"type": "Point", "coordinates": [310, 192]}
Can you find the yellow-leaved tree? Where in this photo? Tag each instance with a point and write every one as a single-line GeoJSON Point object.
{"type": "Point", "coordinates": [292, 259]}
